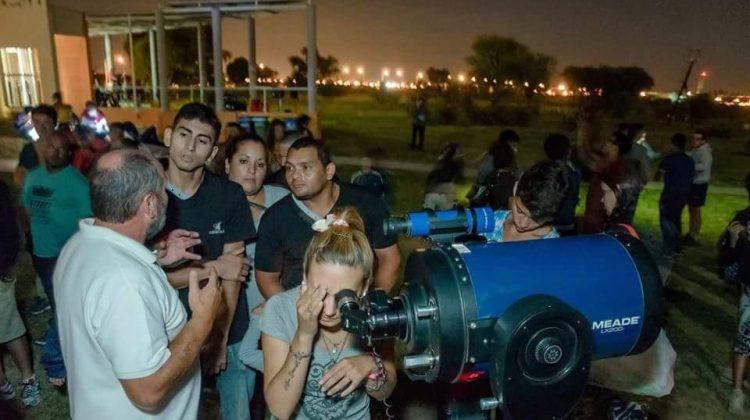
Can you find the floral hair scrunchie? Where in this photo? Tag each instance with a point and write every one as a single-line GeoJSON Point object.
{"type": "Point", "coordinates": [325, 223]}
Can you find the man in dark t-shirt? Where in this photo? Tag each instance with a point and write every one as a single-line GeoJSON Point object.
{"type": "Point", "coordinates": [678, 170]}
{"type": "Point", "coordinates": [286, 227]}
{"type": "Point", "coordinates": [217, 209]}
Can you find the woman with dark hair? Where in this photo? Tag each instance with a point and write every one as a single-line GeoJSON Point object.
{"type": "Point", "coordinates": [603, 195]}
{"type": "Point", "coordinates": [735, 258]}
{"type": "Point", "coordinates": [276, 133]}
{"type": "Point", "coordinates": [246, 163]}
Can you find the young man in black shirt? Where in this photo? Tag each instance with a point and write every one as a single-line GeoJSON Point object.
{"type": "Point", "coordinates": [217, 209]}
{"type": "Point", "coordinates": [286, 227]}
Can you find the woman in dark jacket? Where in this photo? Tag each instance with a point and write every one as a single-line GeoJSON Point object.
{"type": "Point", "coordinates": [735, 257]}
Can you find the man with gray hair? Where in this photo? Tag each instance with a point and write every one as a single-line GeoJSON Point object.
{"type": "Point", "coordinates": [129, 348]}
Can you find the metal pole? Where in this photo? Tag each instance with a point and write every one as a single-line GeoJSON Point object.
{"type": "Point", "coordinates": [108, 59]}
{"type": "Point", "coordinates": [312, 58]}
{"type": "Point", "coordinates": [152, 59]}
{"type": "Point", "coordinates": [161, 49]}
{"type": "Point", "coordinates": [251, 59]}
{"type": "Point", "coordinates": [201, 68]}
{"type": "Point", "coordinates": [132, 62]}
{"type": "Point", "coordinates": [218, 74]}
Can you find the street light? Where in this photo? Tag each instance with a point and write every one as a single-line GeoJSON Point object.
{"type": "Point", "coordinates": [345, 69]}
{"type": "Point", "coordinates": [399, 73]}
{"type": "Point", "coordinates": [386, 72]}
{"type": "Point", "coordinates": [420, 75]}
{"type": "Point", "coordinates": [461, 78]}
{"type": "Point", "coordinates": [360, 70]}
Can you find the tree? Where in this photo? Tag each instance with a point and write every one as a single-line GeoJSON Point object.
{"type": "Point", "coordinates": [501, 58]}
{"type": "Point", "coordinates": [609, 81]}
{"type": "Point", "coordinates": [182, 56]}
{"type": "Point", "coordinates": [328, 67]}
{"type": "Point", "coordinates": [237, 71]}
{"type": "Point", "coordinates": [437, 76]}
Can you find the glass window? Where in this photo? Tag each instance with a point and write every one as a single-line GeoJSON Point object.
{"type": "Point", "coordinates": [20, 77]}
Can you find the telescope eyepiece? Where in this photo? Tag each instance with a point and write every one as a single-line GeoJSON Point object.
{"type": "Point", "coordinates": [347, 300]}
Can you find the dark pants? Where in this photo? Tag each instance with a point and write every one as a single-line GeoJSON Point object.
{"type": "Point", "coordinates": [628, 204]}
{"type": "Point", "coordinates": [417, 136]}
{"type": "Point", "coordinates": [670, 220]}
{"type": "Point", "coordinates": [51, 358]}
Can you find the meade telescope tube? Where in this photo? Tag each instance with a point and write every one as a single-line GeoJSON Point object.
{"type": "Point", "coordinates": [532, 315]}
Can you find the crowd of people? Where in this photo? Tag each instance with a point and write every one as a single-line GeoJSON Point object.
{"type": "Point", "coordinates": [218, 263]}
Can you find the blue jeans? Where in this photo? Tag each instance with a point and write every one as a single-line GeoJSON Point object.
{"type": "Point", "coordinates": [51, 358]}
{"type": "Point", "coordinates": [236, 386]}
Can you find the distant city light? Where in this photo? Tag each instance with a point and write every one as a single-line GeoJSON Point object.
{"type": "Point", "coordinates": [461, 77]}
{"type": "Point", "coordinates": [386, 72]}
{"type": "Point", "coordinates": [420, 75]}
{"type": "Point", "coordinates": [261, 66]}
{"type": "Point", "coordinates": [360, 70]}
{"type": "Point", "coordinates": [399, 73]}
{"type": "Point", "coordinates": [704, 74]}
{"type": "Point", "coordinates": [345, 69]}
{"type": "Point", "coordinates": [562, 87]}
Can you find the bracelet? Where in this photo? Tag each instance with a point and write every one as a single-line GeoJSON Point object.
{"type": "Point", "coordinates": [379, 376]}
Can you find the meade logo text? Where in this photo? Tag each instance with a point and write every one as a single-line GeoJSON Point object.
{"type": "Point", "coordinates": [615, 325]}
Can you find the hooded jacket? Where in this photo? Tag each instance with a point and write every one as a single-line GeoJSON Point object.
{"type": "Point", "coordinates": [703, 159]}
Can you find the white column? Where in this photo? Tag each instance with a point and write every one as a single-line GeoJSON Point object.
{"type": "Point", "coordinates": [251, 59]}
{"type": "Point", "coordinates": [132, 62]}
{"type": "Point", "coordinates": [161, 50]}
{"type": "Point", "coordinates": [312, 58]}
{"type": "Point", "coordinates": [108, 64]}
{"type": "Point", "coordinates": [152, 59]}
{"type": "Point", "coordinates": [201, 66]}
{"type": "Point", "coordinates": [218, 74]}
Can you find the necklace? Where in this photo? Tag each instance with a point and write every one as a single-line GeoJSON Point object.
{"type": "Point", "coordinates": [332, 348]}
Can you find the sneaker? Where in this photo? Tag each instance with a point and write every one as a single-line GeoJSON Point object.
{"type": "Point", "coordinates": [726, 377]}
{"type": "Point", "coordinates": [31, 395]}
{"type": "Point", "coordinates": [40, 306]}
{"type": "Point", "coordinates": [737, 401]}
{"type": "Point", "coordinates": [7, 392]}
{"type": "Point", "coordinates": [688, 240]}
{"type": "Point", "coordinates": [627, 410]}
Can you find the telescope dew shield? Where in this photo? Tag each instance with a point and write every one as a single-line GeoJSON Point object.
{"type": "Point", "coordinates": [442, 225]}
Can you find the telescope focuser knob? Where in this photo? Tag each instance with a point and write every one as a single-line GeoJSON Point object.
{"type": "Point", "coordinates": [548, 351]}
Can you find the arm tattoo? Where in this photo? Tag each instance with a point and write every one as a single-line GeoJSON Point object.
{"type": "Point", "coordinates": [298, 356]}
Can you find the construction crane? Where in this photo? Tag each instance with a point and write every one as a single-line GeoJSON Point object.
{"type": "Point", "coordinates": [694, 55]}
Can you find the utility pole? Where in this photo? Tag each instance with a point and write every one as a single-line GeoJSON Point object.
{"type": "Point", "coordinates": [694, 55]}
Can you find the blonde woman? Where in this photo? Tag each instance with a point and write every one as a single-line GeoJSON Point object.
{"type": "Point", "coordinates": [313, 368]}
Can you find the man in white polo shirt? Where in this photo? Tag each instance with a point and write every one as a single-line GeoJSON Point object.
{"type": "Point", "coordinates": [130, 351]}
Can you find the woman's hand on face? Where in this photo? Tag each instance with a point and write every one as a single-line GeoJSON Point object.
{"type": "Point", "coordinates": [347, 375]}
{"type": "Point", "coordinates": [309, 306]}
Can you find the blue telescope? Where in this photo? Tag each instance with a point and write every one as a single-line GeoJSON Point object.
{"type": "Point", "coordinates": [530, 315]}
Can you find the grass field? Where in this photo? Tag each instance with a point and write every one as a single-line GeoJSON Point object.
{"type": "Point", "coordinates": [701, 312]}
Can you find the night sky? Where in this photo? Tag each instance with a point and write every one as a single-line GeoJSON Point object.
{"type": "Point", "coordinates": [415, 34]}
